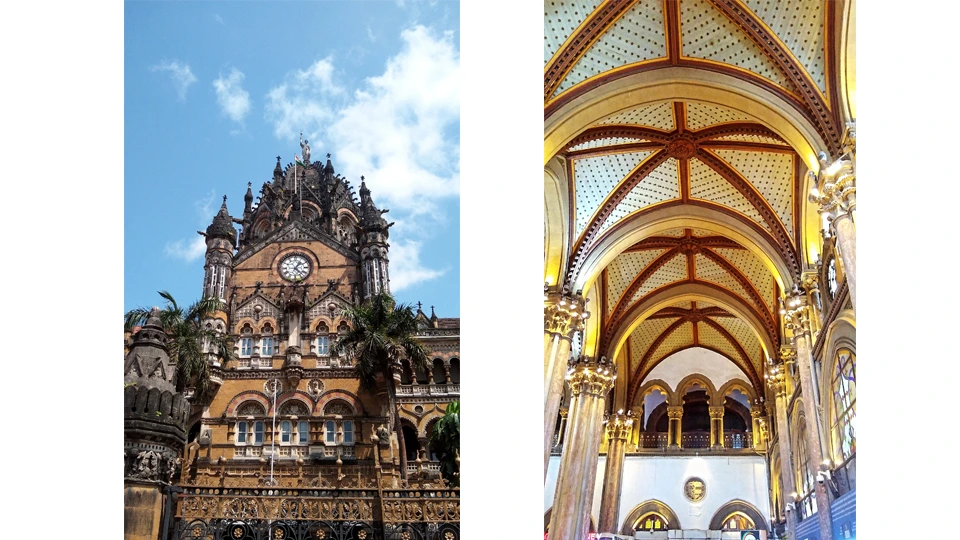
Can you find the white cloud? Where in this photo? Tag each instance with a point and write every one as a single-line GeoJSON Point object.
{"type": "Point", "coordinates": [370, 35]}
{"type": "Point", "coordinates": [187, 250]}
{"type": "Point", "coordinates": [233, 99]}
{"type": "Point", "coordinates": [218, 18]}
{"type": "Point", "coordinates": [302, 102]}
{"type": "Point", "coordinates": [405, 267]}
{"type": "Point", "coordinates": [180, 74]}
{"type": "Point", "coordinates": [399, 130]}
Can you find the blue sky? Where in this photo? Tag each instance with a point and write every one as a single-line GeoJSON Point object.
{"type": "Point", "coordinates": [214, 91]}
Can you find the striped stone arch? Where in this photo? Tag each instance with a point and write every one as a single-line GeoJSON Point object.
{"type": "Point", "coordinates": [409, 417]}
{"type": "Point", "coordinates": [737, 505]}
{"type": "Point", "coordinates": [653, 505]}
{"type": "Point", "coordinates": [700, 378]}
{"type": "Point", "coordinates": [298, 395]}
{"type": "Point", "coordinates": [435, 414]}
{"type": "Point", "coordinates": [343, 395]}
{"type": "Point", "coordinates": [238, 327]}
{"type": "Point", "coordinates": [249, 395]}
{"type": "Point", "coordinates": [650, 385]}
{"type": "Point", "coordinates": [733, 384]}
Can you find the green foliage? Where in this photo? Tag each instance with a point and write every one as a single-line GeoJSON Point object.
{"type": "Point", "coordinates": [185, 338]}
{"type": "Point", "coordinates": [381, 333]}
{"type": "Point", "coordinates": [445, 439]}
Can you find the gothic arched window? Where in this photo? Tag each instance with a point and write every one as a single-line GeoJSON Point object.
{"type": "Point", "coordinates": [844, 405]}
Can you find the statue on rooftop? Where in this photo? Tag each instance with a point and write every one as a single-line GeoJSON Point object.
{"type": "Point", "coordinates": [305, 148]}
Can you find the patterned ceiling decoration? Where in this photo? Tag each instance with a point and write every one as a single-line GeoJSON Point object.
{"type": "Point", "coordinates": [643, 337]}
{"type": "Point", "coordinates": [691, 324]}
{"type": "Point", "coordinates": [663, 184]}
{"type": "Point", "coordinates": [780, 45]}
{"type": "Point", "coordinates": [658, 116]}
{"type": "Point", "coordinates": [597, 176]}
{"type": "Point", "coordinates": [709, 35]}
{"type": "Point", "coordinates": [623, 269]}
{"type": "Point", "coordinates": [638, 35]}
{"type": "Point", "coordinates": [560, 19]}
{"type": "Point", "coordinates": [755, 178]}
{"type": "Point", "coordinates": [689, 154]}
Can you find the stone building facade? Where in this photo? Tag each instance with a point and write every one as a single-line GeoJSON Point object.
{"type": "Point", "coordinates": [290, 445]}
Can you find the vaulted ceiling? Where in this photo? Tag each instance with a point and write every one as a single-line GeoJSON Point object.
{"type": "Point", "coordinates": [687, 156]}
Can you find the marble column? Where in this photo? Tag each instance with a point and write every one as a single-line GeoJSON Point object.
{"type": "Point", "coordinates": [787, 484]}
{"type": "Point", "coordinates": [563, 317]}
{"type": "Point", "coordinates": [836, 193]}
{"type": "Point", "coordinates": [716, 426]}
{"type": "Point", "coordinates": [619, 428]}
{"type": "Point", "coordinates": [674, 434]}
{"type": "Point", "coordinates": [797, 320]}
{"type": "Point", "coordinates": [563, 425]}
{"type": "Point", "coordinates": [590, 381]}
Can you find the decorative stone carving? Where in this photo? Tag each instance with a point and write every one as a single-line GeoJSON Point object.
{"type": "Point", "coordinates": [338, 408]}
{"type": "Point", "coordinates": [590, 377]}
{"type": "Point", "coordinates": [619, 425]}
{"type": "Point", "coordinates": [563, 314]}
{"type": "Point", "coordinates": [315, 388]}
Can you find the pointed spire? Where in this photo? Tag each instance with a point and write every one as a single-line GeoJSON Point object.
{"type": "Point", "coordinates": [328, 169]}
{"type": "Point", "coordinates": [222, 226]}
{"type": "Point", "coordinates": [277, 171]}
{"type": "Point", "coordinates": [248, 199]}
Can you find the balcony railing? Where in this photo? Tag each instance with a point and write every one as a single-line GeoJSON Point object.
{"type": "Point", "coordinates": [695, 440]}
{"type": "Point", "coordinates": [431, 466]}
{"type": "Point", "coordinates": [428, 389]}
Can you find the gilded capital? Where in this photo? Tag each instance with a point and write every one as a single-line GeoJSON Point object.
{"type": "Point", "coordinates": [564, 412]}
{"type": "Point", "coordinates": [796, 312]}
{"type": "Point", "coordinates": [675, 412]}
{"type": "Point", "coordinates": [563, 314]}
{"type": "Point", "coordinates": [757, 411]}
{"type": "Point", "coordinates": [619, 425]}
{"type": "Point", "coordinates": [776, 380]}
{"type": "Point", "coordinates": [588, 376]}
{"type": "Point", "coordinates": [716, 412]}
{"type": "Point", "coordinates": [836, 188]}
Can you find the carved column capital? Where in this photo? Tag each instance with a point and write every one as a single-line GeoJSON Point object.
{"type": "Point", "coordinates": [619, 425]}
{"type": "Point", "coordinates": [675, 412]}
{"type": "Point", "coordinates": [563, 314]}
{"type": "Point", "coordinates": [716, 412]}
{"type": "Point", "coordinates": [564, 412]}
{"type": "Point", "coordinates": [757, 412]}
{"type": "Point", "coordinates": [588, 376]}
{"type": "Point", "coordinates": [835, 189]}
{"type": "Point", "coordinates": [796, 313]}
{"type": "Point", "coordinates": [775, 378]}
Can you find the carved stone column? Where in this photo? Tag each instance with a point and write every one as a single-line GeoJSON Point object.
{"type": "Point", "coordinates": [589, 383]}
{"type": "Point", "coordinates": [788, 357]}
{"type": "Point", "coordinates": [787, 487]}
{"type": "Point", "coordinates": [716, 426]}
{"type": "Point", "coordinates": [674, 435]}
{"type": "Point", "coordinates": [563, 317]}
{"type": "Point", "coordinates": [797, 319]}
{"type": "Point", "coordinates": [619, 428]}
{"type": "Point", "coordinates": [759, 427]}
{"type": "Point", "coordinates": [564, 412]}
{"type": "Point", "coordinates": [836, 193]}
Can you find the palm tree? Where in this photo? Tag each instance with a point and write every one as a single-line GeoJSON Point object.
{"type": "Point", "coordinates": [185, 340]}
{"type": "Point", "coordinates": [445, 439]}
{"type": "Point", "coordinates": [380, 336]}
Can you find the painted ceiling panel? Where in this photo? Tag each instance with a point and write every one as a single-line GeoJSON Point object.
{"type": "Point", "coordinates": [743, 137]}
{"type": "Point", "coordinates": [799, 25]}
{"type": "Point", "coordinates": [560, 19]}
{"type": "Point", "coordinates": [623, 269]}
{"type": "Point", "coordinates": [741, 331]}
{"type": "Point", "coordinates": [643, 336]}
{"type": "Point", "coordinates": [710, 35]}
{"type": "Point", "coordinates": [708, 270]}
{"type": "Point", "coordinates": [662, 184]}
{"type": "Point", "coordinates": [707, 184]}
{"type": "Point", "coordinates": [608, 141]}
{"type": "Point", "coordinates": [752, 267]}
{"type": "Point", "coordinates": [636, 36]}
{"type": "Point", "coordinates": [595, 179]}
{"type": "Point", "coordinates": [658, 116]}
{"type": "Point", "coordinates": [710, 337]}
{"type": "Point", "coordinates": [703, 115]}
{"type": "Point", "coordinates": [680, 338]}
{"type": "Point", "coordinates": [771, 173]}
{"type": "Point", "coordinates": [674, 270]}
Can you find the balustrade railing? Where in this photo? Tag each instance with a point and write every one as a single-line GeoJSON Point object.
{"type": "Point", "coordinates": [695, 440]}
{"type": "Point", "coordinates": [428, 389]}
{"type": "Point", "coordinates": [431, 466]}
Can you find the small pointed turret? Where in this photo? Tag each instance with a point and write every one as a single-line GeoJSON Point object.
{"type": "Point", "coordinates": [222, 226]}
{"type": "Point", "coordinates": [278, 171]}
{"type": "Point", "coordinates": [328, 168]}
{"type": "Point", "coordinates": [248, 199]}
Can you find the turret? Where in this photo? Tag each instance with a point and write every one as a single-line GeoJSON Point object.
{"type": "Point", "coordinates": [221, 239]}
{"type": "Point", "coordinates": [373, 245]}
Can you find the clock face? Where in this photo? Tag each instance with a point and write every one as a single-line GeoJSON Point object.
{"type": "Point", "coordinates": [294, 267]}
{"type": "Point", "coordinates": [832, 277]}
